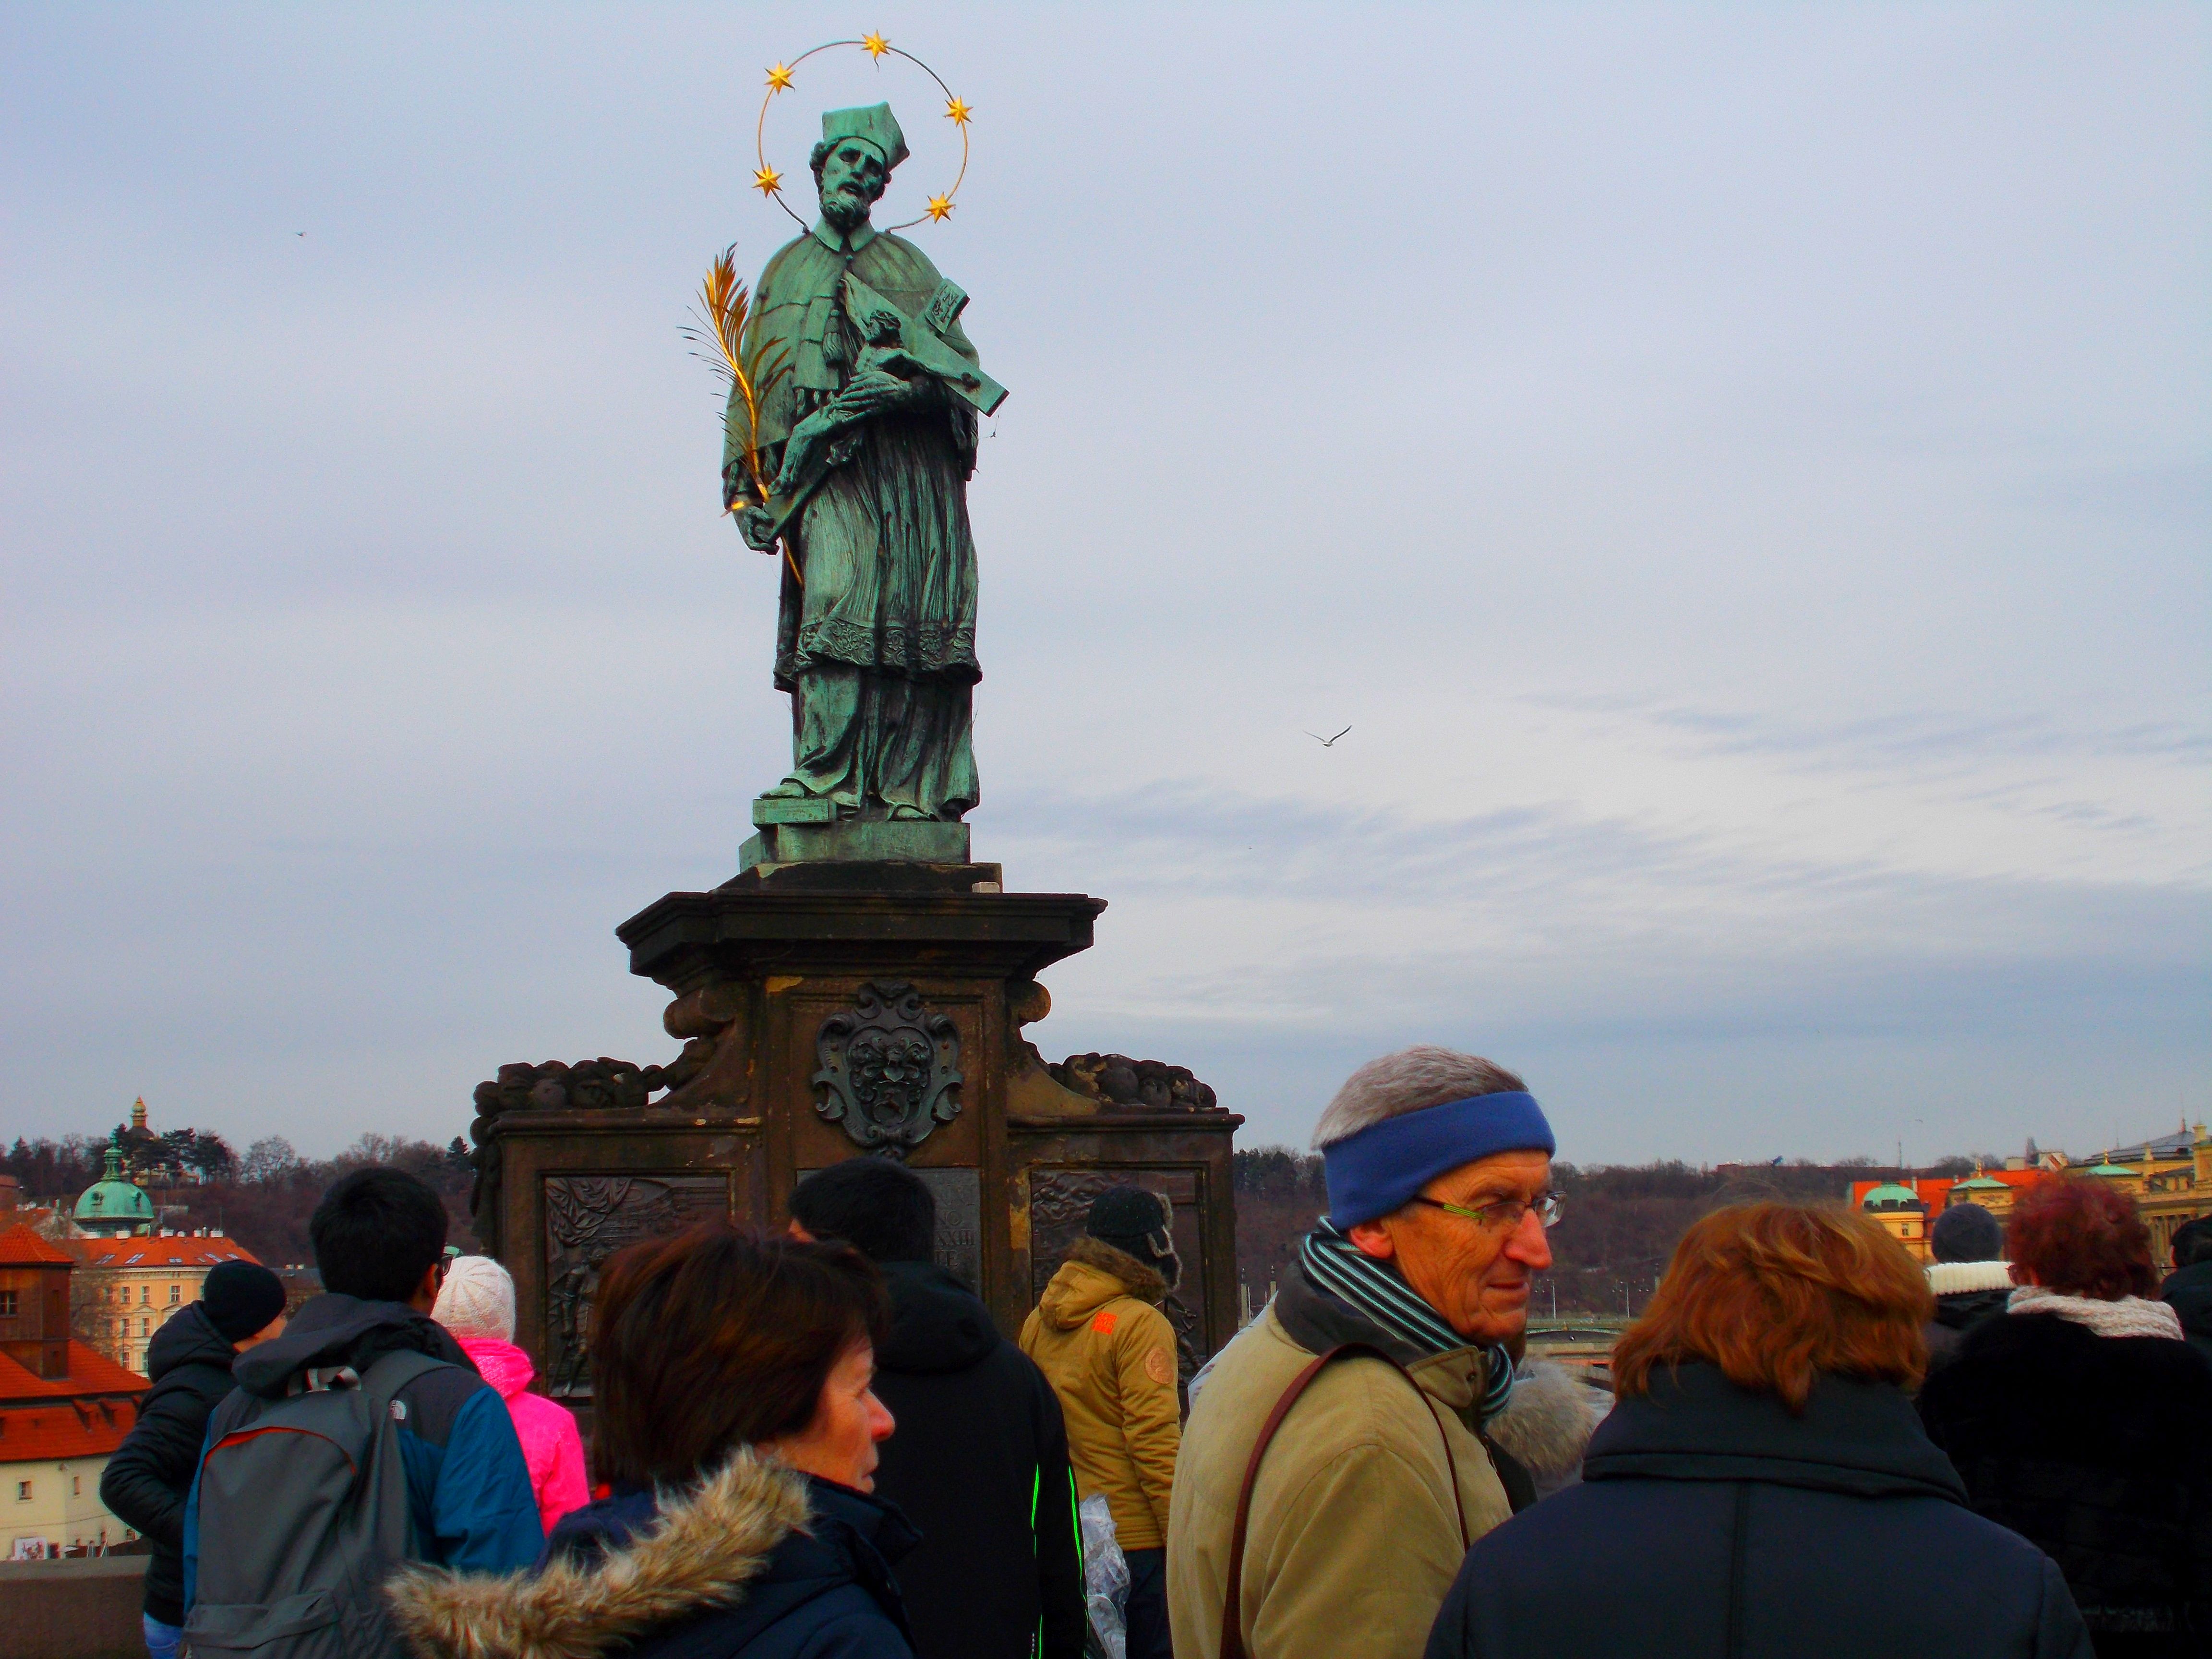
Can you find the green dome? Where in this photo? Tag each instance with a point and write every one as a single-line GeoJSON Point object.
{"type": "Point", "coordinates": [2111, 1170]}
{"type": "Point", "coordinates": [1979, 1184]}
{"type": "Point", "coordinates": [111, 1200]}
{"type": "Point", "coordinates": [1891, 1196]}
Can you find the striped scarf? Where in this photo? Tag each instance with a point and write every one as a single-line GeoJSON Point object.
{"type": "Point", "coordinates": [1334, 1263]}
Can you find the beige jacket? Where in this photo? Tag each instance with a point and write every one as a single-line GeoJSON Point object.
{"type": "Point", "coordinates": [1110, 1355]}
{"type": "Point", "coordinates": [1351, 1542]}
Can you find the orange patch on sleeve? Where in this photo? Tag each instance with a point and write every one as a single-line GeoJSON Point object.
{"type": "Point", "coordinates": [1103, 1324]}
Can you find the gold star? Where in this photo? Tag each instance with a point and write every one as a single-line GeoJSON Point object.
{"type": "Point", "coordinates": [956, 112]}
{"type": "Point", "coordinates": [766, 180]}
{"type": "Point", "coordinates": [876, 44]}
{"type": "Point", "coordinates": [779, 79]}
{"type": "Point", "coordinates": [940, 208]}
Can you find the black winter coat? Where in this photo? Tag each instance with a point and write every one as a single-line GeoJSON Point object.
{"type": "Point", "coordinates": [2098, 1450]}
{"type": "Point", "coordinates": [148, 1476]}
{"type": "Point", "coordinates": [979, 1464]}
{"type": "Point", "coordinates": [2188, 1293]}
{"type": "Point", "coordinates": [1710, 1521]}
{"type": "Point", "coordinates": [1956, 1314]}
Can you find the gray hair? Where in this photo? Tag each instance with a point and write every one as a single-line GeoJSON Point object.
{"type": "Point", "coordinates": [1411, 1080]}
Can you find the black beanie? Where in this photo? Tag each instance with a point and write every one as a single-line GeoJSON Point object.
{"type": "Point", "coordinates": [1966, 1232]}
{"type": "Point", "coordinates": [242, 1297]}
{"type": "Point", "coordinates": [1134, 1220]}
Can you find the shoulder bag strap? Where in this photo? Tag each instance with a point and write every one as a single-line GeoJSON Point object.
{"type": "Point", "coordinates": [1232, 1601]}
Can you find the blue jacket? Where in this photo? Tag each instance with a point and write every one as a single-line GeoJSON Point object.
{"type": "Point", "coordinates": [468, 1488]}
{"type": "Point", "coordinates": [754, 1560]}
{"type": "Point", "coordinates": [1712, 1521]}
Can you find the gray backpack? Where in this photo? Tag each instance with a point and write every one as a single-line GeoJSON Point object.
{"type": "Point", "coordinates": [302, 1517]}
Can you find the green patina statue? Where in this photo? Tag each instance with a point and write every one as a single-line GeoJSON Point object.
{"type": "Point", "coordinates": [869, 441]}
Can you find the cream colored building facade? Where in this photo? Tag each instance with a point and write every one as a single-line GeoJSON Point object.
{"type": "Point", "coordinates": [136, 1284]}
{"type": "Point", "coordinates": [49, 1506]}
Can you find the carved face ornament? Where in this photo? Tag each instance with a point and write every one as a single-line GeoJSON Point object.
{"type": "Point", "coordinates": [890, 1068]}
{"type": "Point", "coordinates": [888, 1073]}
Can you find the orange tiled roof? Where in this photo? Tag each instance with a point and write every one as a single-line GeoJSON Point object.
{"type": "Point", "coordinates": [22, 1248]}
{"type": "Point", "coordinates": [90, 1372]}
{"type": "Point", "coordinates": [157, 1253]}
{"type": "Point", "coordinates": [63, 1429]}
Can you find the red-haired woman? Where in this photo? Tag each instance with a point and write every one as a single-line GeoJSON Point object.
{"type": "Point", "coordinates": [733, 1415]}
{"type": "Point", "coordinates": [1762, 1488]}
{"type": "Point", "coordinates": [2082, 1420]}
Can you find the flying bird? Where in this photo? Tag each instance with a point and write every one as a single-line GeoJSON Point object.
{"type": "Point", "coordinates": [1326, 742]}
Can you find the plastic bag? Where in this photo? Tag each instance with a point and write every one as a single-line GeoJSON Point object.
{"type": "Point", "coordinates": [1105, 1580]}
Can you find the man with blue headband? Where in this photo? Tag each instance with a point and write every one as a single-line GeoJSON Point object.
{"type": "Point", "coordinates": [1334, 1469]}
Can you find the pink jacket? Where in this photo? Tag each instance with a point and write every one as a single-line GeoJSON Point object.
{"type": "Point", "coordinates": [551, 1444]}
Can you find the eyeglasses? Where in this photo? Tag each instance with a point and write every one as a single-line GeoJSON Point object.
{"type": "Point", "coordinates": [1505, 1214]}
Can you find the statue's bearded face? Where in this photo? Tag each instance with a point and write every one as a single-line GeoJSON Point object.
{"type": "Point", "coordinates": [851, 177]}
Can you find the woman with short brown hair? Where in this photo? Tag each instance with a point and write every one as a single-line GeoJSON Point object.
{"type": "Point", "coordinates": [2082, 1419]}
{"type": "Point", "coordinates": [735, 1420]}
{"type": "Point", "coordinates": [1762, 1486]}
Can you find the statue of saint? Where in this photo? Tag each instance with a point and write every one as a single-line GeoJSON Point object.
{"type": "Point", "coordinates": [876, 632]}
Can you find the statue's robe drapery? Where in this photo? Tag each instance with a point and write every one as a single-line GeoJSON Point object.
{"type": "Point", "coordinates": [878, 646]}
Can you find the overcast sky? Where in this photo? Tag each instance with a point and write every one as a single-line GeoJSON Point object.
{"type": "Point", "coordinates": [1740, 473]}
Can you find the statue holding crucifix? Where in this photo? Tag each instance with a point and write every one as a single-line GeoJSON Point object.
{"type": "Point", "coordinates": [861, 443]}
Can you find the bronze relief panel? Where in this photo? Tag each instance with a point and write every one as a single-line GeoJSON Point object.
{"type": "Point", "coordinates": [587, 1218]}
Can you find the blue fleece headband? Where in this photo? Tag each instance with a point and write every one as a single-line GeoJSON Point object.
{"type": "Point", "coordinates": [1383, 1165]}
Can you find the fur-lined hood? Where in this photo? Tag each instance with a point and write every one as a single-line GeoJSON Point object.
{"type": "Point", "coordinates": [754, 1539]}
{"type": "Point", "coordinates": [1094, 1274]}
{"type": "Point", "coordinates": [1548, 1419]}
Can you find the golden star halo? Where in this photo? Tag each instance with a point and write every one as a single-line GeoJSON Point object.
{"type": "Point", "coordinates": [779, 77]}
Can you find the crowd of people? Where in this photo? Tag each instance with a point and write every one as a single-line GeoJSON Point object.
{"type": "Point", "coordinates": [816, 1445]}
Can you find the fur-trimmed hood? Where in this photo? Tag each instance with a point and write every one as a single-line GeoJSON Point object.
{"type": "Point", "coordinates": [1548, 1419]}
{"type": "Point", "coordinates": [1094, 1274]}
{"type": "Point", "coordinates": [754, 1539]}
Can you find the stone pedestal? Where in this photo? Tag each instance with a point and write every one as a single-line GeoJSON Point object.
{"type": "Point", "coordinates": [830, 1009]}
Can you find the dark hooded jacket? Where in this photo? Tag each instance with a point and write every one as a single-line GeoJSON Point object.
{"type": "Point", "coordinates": [1966, 1293]}
{"type": "Point", "coordinates": [469, 1496]}
{"type": "Point", "coordinates": [2098, 1448]}
{"type": "Point", "coordinates": [2188, 1293]}
{"type": "Point", "coordinates": [1712, 1521]}
{"type": "Point", "coordinates": [754, 1560]}
{"type": "Point", "coordinates": [979, 1464]}
{"type": "Point", "coordinates": [149, 1477]}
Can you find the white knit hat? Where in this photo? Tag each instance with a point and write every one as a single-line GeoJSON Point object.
{"type": "Point", "coordinates": [478, 1299]}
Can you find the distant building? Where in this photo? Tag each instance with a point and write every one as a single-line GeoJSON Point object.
{"type": "Point", "coordinates": [113, 1207]}
{"type": "Point", "coordinates": [139, 1273]}
{"type": "Point", "coordinates": [64, 1408]}
{"type": "Point", "coordinates": [1901, 1210]}
{"type": "Point", "coordinates": [2169, 1179]}
{"type": "Point", "coordinates": [137, 1282]}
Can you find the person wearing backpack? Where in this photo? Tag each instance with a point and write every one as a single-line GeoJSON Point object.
{"type": "Point", "coordinates": [360, 1441]}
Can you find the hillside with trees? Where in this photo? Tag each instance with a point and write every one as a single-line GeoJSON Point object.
{"type": "Point", "coordinates": [1619, 1226]}
{"type": "Point", "coordinates": [263, 1200]}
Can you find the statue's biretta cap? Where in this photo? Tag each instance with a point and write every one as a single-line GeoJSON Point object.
{"type": "Point", "coordinates": [874, 125]}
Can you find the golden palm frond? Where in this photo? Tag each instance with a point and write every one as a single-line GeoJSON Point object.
{"type": "Point", "coordinates": [719, 340]}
